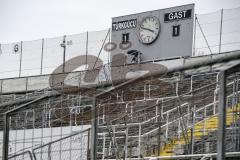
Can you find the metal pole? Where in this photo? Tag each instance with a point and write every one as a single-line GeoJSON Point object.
{"type": "Point", "coordinates": [237, 131]}
{"type": "Point", "coordinates": [20, 65]}
{"type": "Point", "coordinates": [139, 141]}
{"type": "Point", "coordinates": [126, 144]}
{"type": "Point", "coordinates": [0, 48]}
{"type": "Point", "coordinates": [103, 148]}
{"type": "Point", "coordinates": [220, 38]}
{"type": "Point", "coordinates": [49, 151]}
{"type": "Point", "coordinates": [5, 137]}
{"type": "Point", "coordinates": [26, 87]}
{"type": "Point", "coordinates": [159, 130]}
{"type": "Point", "coordinates": [94, 131]}
{"type": "Point", "coordinates": [204, 36]}
{"type": "Point", "coordinates": [42, 57]}
{"type": "Point", "coordinates": [63, 44]}
{"type": "Point", "coordinates": [194, 40]}
{"type": "Point", "coordinates": [1, 88]}
{"type": "Point", "coordinates": [221, 116]}
{"type": "Point", "coordinates": [101, 49]}
{"type": "Point", "coordinates": [86, 50]}
{"type": "Point", "coordinates": [88, 144]}
{"type": "Point", "coordinates": [192, 129]}
{"type": "Point", "coordinates": [109, 40]}
{"type": "Point", "coordinates": [166, 134]}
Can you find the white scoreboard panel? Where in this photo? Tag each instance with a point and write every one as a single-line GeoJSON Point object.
{"type": "Point", "coordinates": [157, 34]}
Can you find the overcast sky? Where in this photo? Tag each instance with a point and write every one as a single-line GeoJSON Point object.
{"type": "Point", "coordinates": [35, 19]}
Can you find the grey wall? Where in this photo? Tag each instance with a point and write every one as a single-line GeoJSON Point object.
{"type": "Point", "coordinates": [166, 45]}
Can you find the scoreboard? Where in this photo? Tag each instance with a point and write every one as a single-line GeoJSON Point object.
{"type": "Point", "coordinates": [157, 34]}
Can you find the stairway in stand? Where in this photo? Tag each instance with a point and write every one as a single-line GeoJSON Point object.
{"type": "Point", "coordinates": [201, 128]}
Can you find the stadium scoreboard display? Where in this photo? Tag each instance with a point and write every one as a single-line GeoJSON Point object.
{"type": "Point", "coordinates": [157, 34]}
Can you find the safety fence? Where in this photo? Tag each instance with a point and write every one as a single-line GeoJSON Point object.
{"type": "Point", "coordinates": [214, 32]}
{"type": "Point", "coordinates": [72, 147]}
{"type": "Point", "coordinates": [52, 130]}
{"type": "Point", "coordinates": [217, 32]}
{"type": "Point", "coordinates": [170, 124]}
{"type": "Point", "coordinates": [44, 56]}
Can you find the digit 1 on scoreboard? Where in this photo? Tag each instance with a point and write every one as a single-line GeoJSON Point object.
{"type": "Point", "coordinates": [176, 31]}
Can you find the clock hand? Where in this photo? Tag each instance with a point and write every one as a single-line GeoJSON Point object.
{"type": "Point", "coordinates": [148, 29]}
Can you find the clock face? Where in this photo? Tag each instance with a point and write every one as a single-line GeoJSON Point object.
{"type": "Point", "coordinates": [149, 30]}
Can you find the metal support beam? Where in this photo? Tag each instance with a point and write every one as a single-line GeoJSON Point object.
{"type": "Point", "coordinates": [220, 38]}
{"type": "Point", "coordinates": [5, 138]}
{"type": "Point", "coordinates": [126, 145]}
{"type": "Point", "coordinates": [86, 51]}
{"type": "Point", "coordinates": [221, 116]}
{"type": "Point", "coordinates": [194, 40]}
{"type": "Point", "coordinates": [20, 61]}
{"type": "Point", "coordinates": [94, 131]}
{"type": "Point", "coordinates": [63, 44]}
{"type": "Point", "coordinates": [159, 121]}
{"type": "Point", "coordinates": [41, 67]}
{"type": "Point", "coordinates": [139, 140]}
{"type": "Point", "coordinates": [192, 128]}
